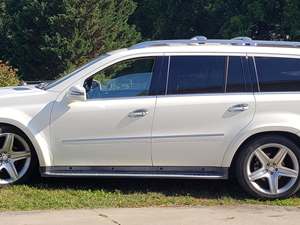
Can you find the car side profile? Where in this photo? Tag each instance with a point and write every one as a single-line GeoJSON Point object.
{"type": "Point", "coordinates": [197, 109]}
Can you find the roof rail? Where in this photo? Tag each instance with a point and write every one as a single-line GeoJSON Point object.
{"type": "Point", "coordinates": [244, 40]}
{"type": "Point", "coordinates": [200, 40]}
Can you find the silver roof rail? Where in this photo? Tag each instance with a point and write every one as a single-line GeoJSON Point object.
{"type": "Point", "coordinates": [164, 43]}
{"type": "Point", "coordinates": [199, 40]}
{"type": "Point", "coordinates": [244, 40]}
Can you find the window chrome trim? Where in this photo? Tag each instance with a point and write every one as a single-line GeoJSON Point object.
{"type": "Point", "coordinates": [279, 92]}
{"type": "Point", "coordinates": [120, 98]}
{"type": "Point", "coordinates": [208, 94]}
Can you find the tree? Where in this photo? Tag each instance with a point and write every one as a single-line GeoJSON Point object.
{"type": "Point", "coordinates": [260, 19]}
{"type": "Point", "coordinates": [46, 38]}
{"type": "Point", "coordinates": [164, 19]}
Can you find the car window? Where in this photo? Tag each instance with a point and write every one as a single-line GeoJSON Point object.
{"type": "Point", "coordinates": [196, 74]}
{"type": "Point", "coordinates": [235, 75]}
{"type": "Point", "coordinates": [124, 79]}
{"type": "Point", "coordinates": [278, 74]}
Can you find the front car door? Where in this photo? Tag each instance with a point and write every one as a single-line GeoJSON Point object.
{"type": "Point", "coordinates": [209, 101]}
{"type": "Point", "coordinates": [113, 127]}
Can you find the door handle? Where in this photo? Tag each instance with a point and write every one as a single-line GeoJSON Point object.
{"type": "Point", "coordinates": [138, 113]}
{"type": "Point", "coordinates": [239, 108]}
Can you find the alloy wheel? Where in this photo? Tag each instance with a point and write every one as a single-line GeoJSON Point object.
{"type": "Point", "coordinates": [272, 169]}
{"type": "Point", "coordinates": [15, 157]}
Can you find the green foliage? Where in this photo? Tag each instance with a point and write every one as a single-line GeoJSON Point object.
{"type": "Point", "coordinates": [122, 193]}
{"type": "Point", "coordinates": [8, 75]}
{"type": "Point", "coordinates": [46, 38]}
{"type": "Point", "coordinates": [164, 19]}
{"type": "Point", "coordinates": [260, 19]}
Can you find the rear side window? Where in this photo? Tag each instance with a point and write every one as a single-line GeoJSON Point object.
{"type": "Point", "coordinates": [196, 74]}
{"type": "Point", "coordinates": [235, 81]}
{"type": "Point", "coordinates": [278, 74]}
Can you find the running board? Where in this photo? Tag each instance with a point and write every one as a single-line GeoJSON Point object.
{"type": "Point", "coordinates": [137, 172]}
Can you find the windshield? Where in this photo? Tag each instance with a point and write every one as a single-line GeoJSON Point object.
{"type": "Point", "coordinates": [52, 84]}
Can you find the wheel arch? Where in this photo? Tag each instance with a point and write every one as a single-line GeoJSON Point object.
{"type": "Point", "coordinates": [288, 134]}
{"type": "Point", "coordinates": [44, 158]}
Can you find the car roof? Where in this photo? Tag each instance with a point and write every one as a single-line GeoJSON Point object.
{"type": "Point", "coordinates": [235, 45]}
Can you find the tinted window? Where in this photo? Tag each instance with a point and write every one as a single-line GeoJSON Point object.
{"type": "Point", "coordinates": [252, 74]}
{"type": "Point", "coordinates": [235, 79]}
{"type": "Point", "coordinates": [124, 79]}
{"type": "Point", "coordinates": [196, 74]}
{"type": "Point", "coordinates": [278, 74]}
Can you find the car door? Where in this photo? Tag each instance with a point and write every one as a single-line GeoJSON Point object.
{"type": "Point", "coordinates": [209, 101]}
{"type": "Point", "coordinates": [113, 126]}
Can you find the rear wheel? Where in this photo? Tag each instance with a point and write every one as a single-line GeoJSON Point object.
{"type": "Point", "coordinates": [18, 161]}
{"type": "Point", "coordinates": [268, 167]}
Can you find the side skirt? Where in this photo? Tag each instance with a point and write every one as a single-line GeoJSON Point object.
{"type": "Point", "coordinates": [137, 172]}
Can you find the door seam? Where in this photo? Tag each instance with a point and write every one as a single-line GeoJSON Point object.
{"type": "Point", "coordinates": [151, 131]}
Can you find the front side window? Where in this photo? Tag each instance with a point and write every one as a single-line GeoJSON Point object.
{"type": "Point", "coordinates": [278, 74]}
{"type": "Point", "coordinates": [196, 74]}
{"type": "Point", "coordinates": [124, 79]}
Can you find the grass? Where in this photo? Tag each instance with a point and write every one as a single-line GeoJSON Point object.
{"type": "Point", "coordinates": [102, 193]}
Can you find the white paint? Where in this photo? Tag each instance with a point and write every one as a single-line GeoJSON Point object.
{"type": "Point", "coordinates": [49, 119]}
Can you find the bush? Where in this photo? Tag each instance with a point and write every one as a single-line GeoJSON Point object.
{"type": "Point", "coordinates": [8, 75]}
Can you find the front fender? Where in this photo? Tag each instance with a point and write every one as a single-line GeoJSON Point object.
{"type": "Point", "coordinates": [36, 128]}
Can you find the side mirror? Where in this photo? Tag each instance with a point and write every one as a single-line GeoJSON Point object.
{"type": "Point", "coordinates": [76, 94]}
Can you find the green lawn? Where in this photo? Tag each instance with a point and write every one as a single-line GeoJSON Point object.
{"type": "Point", "coordinates": [99, 193]}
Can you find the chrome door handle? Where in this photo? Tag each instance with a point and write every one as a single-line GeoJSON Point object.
{"type": "Point", "coordinates": [239, 108]}
{"type": "Point", "coordinates": [138, 113]}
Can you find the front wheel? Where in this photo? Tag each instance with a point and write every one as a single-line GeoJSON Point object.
{"type": "Point", "coordinates": [268, 167]}
{"type": "Point", "coordinates": [17, 157]}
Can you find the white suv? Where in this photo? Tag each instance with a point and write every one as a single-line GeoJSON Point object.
{"type": "Point", "coordinates": [169, 109]}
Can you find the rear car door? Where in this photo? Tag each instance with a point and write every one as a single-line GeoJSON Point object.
{"type": "Point", "coordinates": [208, 101]}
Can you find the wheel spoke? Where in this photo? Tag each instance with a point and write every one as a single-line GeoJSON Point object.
{"type": "Point", "coordinates": [263, 158]}
{"type": "Point", "coordinates": [258, 174]}
{"type": "Point", "coordinates": [8, 143]}
{"type": "Point", "coordinates": [279, 157]}
{"type": "Point", "coordinates": [273, 183]}
{"type": "Point", "coordinates": [11, 170]}
{"type": "Point", "coordinates": [16, 156]}
{"type": "Point", "coordinates": [287, 172]}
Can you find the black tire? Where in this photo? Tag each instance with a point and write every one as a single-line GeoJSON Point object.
{"type": "Point", "coordinates": [33, 169]}
{"type": "Point", "coordinates": [243, 157]}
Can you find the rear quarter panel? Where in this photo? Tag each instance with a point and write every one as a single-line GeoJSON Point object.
{"type": "Point", "coordinates": [274, 112]}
